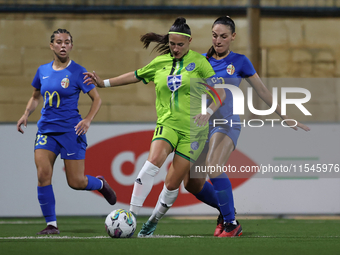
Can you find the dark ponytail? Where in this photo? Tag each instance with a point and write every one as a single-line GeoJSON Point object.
{"type": "Point", "coordinates": [210, 52]}
{"type": "Point", "coordinates": [162, 41]}
{"type": "Point", "coordinates": [224, 20]}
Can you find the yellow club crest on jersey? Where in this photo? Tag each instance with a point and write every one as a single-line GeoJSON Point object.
{"type": "Point", "coordinates": [230, 69]}
{"type": "Point", "coordinates": [65, 82]}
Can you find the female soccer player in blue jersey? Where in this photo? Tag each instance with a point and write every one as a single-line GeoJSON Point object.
{"type": "Point", "coordinates": [61, 130]}
{"type": "Point", "coordinates": [179, 126]}
{"type": "Point", "coordinates": [230, 68]}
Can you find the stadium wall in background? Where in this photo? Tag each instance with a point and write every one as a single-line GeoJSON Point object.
{"type": "Point", "coordinates": [109, 44]}
{"type": "Point", "coordinates": [297, 171]}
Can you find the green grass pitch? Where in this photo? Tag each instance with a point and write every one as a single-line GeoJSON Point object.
{"type": "Point", "coordinates": [86, 235]}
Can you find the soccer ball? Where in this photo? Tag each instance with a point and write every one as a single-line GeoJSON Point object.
{"type": "Point", "coordinates": [120, 223]}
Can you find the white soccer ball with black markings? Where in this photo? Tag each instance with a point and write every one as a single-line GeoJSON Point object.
{"type": "Point", "coordinates": [120, 223]}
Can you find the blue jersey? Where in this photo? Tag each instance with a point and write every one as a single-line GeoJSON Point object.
{"type": "Point", "coordinates": [60, 91]}
{"type": "Point", "coordinates": [230, 70]}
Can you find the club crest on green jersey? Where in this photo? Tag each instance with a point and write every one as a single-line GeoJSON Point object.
{"type": "Point", "coordinates": [174, 82]}
{"type": "Point", "coordinates": [190, 67]}
{"type": "Point", "coordinates": [194, 145]}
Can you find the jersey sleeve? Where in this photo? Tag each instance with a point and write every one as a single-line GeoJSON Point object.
{"type": "Point", "coordinates": [213, 80]}
{"type": "Point", "coordinates": [85, 88]}
{"type": "Point", "coordinates": [247, 68]}
{"type": "Point", "coordinates": [36, 80]}
{"type": "Point", "coordinates": [206, 69]}
{"type": "Point", "coordinates": [146, 73]}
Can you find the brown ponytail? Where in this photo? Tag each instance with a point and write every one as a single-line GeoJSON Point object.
{"type": "Point", "coordinates": [162, 42]}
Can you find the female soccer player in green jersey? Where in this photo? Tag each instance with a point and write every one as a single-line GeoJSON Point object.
{"type": "Point", "coordinates": [180, 125]}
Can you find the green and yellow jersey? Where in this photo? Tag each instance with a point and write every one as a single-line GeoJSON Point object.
{"type": "Point", "coordinates": [178, 93]}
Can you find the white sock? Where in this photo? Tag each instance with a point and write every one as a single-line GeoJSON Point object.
{"type": "Point", "coordinates": [142, 186]}
{"type": "Point", "coordinates": [165, 201]}
{"type": "Point", "coordinates": [53, 223]}
{"type": "Point", "coordinates": [232, 222]}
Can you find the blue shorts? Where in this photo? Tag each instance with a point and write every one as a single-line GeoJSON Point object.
{"type": "Point", "coordinates": [69, 145]}
{"type": "Point", "coordinates": [233, 132]}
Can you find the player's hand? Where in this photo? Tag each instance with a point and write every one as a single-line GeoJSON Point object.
{"type": "Point", "coordinates": [22, 120]}
{"type": "Point", "coordinates": [302, 126]}
{"type": "Point", "coordinates": [93, 78]}
{"type": "Point", "coordinates": [82, 127]}
{"type": "Point", "coordinates": [201, 120]}
{"type": "Point", "coordinates": [295, 125]}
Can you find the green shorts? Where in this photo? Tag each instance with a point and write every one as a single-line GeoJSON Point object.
{"type": "Point", "coordinates": [184, 145]}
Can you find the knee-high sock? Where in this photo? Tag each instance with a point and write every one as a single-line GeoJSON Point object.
{"type": "Point", "coordinates": [93, 183]}
{"type": "Point", "coordinates": [223, 189]}
{"type": "Point", "coordinates": [165, 201]}
{"type": "Point", "coordinates": [208, 195]}
{"type": "Point", "coordinates": [47, 203]}
{"type": "Point", "coordinates": [142, 186]}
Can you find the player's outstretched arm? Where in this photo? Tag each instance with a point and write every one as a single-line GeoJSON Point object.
{"type": "Point", "coordinates": [201, 119]}
{"type": "Point", "coordinates": [31, 106]}
{"type": "Point", "coordinates": [124, 79]}
{"type": "Point", "coordinates": [296, 124]}
{"type": "Point", "coordinates": [263, 92]}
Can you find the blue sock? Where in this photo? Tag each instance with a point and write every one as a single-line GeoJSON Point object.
{"type": "Point", "coordinates": [223, 189]}
{"type": "Point", "coordinates": [93, 183]}
{"type": "Point", "coordinates": [47, 202]}
{"type": "Point", "coordinates": [208, 196]}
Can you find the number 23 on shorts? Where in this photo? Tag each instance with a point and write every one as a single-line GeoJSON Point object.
{"type": "Point", "coordinates": [41, 140]}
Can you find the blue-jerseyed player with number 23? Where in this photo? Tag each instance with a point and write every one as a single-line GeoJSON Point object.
{"type": "Point", "coordinates": [61, 130]}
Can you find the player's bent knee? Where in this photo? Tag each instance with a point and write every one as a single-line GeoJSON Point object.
{"type": "Point", "coordinates": [194, 186]}
{"type": "Point", "coordinates": [156, 161]}
{"type": "Point", "coordinates": [172, 186]}
{"type": "Point", "coordinates": [190, 188]}
{"type": "Point", "coordinates": [77, 184]}
{"type": "Point", "coordinates": [44, 178]}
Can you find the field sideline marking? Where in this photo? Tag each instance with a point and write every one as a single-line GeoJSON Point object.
{"type": "Point", "coordinates": [17, 222]}
{"type": "Point", "coordinates": [20, 222]}
{"type": "Point", "coordinates": [203, 217]}
{"type": "Point", "coordinates": [260, 217]}
{"type": "Point", "coordinates": [155, 236]}
{"type": "Point", "coordinates": [93, 237]}
{"type": "Point", "coordinates": [51, 237]}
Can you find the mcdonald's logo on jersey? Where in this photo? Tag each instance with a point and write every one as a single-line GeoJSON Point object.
{"type": "Point", "coordinates": [65, 82]}
{"type": "Point", "coordinates": [50, 98]}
